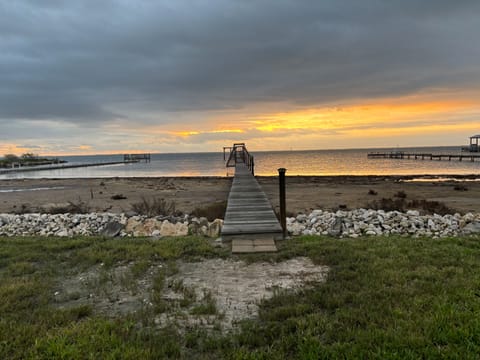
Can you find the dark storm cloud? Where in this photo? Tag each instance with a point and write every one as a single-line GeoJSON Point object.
{"type": "Point", "coordinates": [83, 61]}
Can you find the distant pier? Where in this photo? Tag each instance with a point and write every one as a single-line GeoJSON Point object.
{"type": "Point", "coordinates": [127, 159]}
{"type": "Point", "coordinates": [422, 156]}
{"type": "Point", "coordinates": [136, 157]}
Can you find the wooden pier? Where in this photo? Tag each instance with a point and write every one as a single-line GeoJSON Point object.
{"type": "Point", "coordinates": [60, 166]}
{"type": "Point", "coordinates": [422, 156]}
{"type": "Point", "coordinates": [250, 222]}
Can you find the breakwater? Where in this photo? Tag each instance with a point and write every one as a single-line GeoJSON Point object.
{"type": "Point", "coordinates": [363, 222]}
{"type": "Point", "coordinates": [354, 223]}
{"type": "Point", "coordinates": [106, 224]}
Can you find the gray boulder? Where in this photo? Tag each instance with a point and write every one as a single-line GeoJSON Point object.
{"type": "Point", "coordinates": [112, 229]}
{"type": "Point", "coordinates": [472, 228]}
{"type": "Point", "coordinates": [336, 227]}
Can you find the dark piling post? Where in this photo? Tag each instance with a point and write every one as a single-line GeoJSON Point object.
{"type": "Point", "coordinates": [283, 212]}
{"type": "Point", "coordinates": [252, 166]}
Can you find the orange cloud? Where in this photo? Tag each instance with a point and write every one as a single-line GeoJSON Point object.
{"type": "Point", "coordinates": [84, 147]}
{"type": "Point", "coordinates": [185, 133]}
{"type": "Point", "coordinates": [358, 116]}
{"type": "Point", "coordinates": [195, 132]}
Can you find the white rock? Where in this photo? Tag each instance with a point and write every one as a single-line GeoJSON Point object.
{"type": "Point", "coordinates": [62, 233]}
{"type": "Point", "coordinates": [296, 228]}
{"type": "Point", "coordinates": [301, 218]}
{"type": "Point", "coordinates": [468, 217]}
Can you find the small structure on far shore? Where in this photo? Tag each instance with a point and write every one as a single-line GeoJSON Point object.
{"type": "Point", "coordinates": [473, 147]}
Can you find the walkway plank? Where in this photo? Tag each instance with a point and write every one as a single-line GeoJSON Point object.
{"type": "Point", "coordinates": [250, 221]}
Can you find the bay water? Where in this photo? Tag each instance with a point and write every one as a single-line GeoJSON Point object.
{"type": "Point", "coordinates": [308, 162]}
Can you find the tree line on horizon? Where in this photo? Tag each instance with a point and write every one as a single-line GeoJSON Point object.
{"type": "Point", "coordinates": [26, 159]}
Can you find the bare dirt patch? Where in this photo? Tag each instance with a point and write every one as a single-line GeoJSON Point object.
{"type": "Point", "coordinates": [237, 287]}
{"type": "Point", "coordinates": [213, 293]}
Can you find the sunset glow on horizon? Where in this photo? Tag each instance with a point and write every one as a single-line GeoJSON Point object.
{"type": "Point", "coordinates": [332, 127]}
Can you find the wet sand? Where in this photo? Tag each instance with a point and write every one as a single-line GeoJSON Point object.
{"type": "Point", "coordinates": [303, 192]}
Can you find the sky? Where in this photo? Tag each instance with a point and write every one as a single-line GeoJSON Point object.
{"type": "Point", "coordinates": [117, 76]}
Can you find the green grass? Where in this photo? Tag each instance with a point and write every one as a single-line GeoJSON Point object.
{"type": "Point", "coordinates": [385, 298]}
{"type": "Point", "coordinates": [206, 307]}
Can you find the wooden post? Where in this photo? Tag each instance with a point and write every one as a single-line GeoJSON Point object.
{"type": "Point", "coordinates": [283, 212]}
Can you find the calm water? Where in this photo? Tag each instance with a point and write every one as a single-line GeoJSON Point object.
{"type": "Point", "coordinates": [317, 162]}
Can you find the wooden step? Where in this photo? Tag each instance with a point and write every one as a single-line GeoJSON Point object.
{"type": "Point", "coordinates": [242, 246]}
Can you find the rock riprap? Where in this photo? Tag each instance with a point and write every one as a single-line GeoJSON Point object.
{"type": "Point", "coordinates": [362, 222]}
{"type": "Point", "coordinates": [107, 224]}
{"type": "Point", "coordinates": [354, 223]}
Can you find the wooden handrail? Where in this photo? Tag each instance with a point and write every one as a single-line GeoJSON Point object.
{"type": "Point", "coordinates": [239, 153]}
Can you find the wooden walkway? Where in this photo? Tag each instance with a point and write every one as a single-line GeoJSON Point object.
{"type": "Point", "coordinates": [250, 222]}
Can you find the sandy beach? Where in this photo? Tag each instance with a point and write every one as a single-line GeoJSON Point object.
{"type": "Point", "coordinates": [303, 192]}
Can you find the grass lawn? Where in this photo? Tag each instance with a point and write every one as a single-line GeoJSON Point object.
{"type": "Point", "coordinates": [384, 298]}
